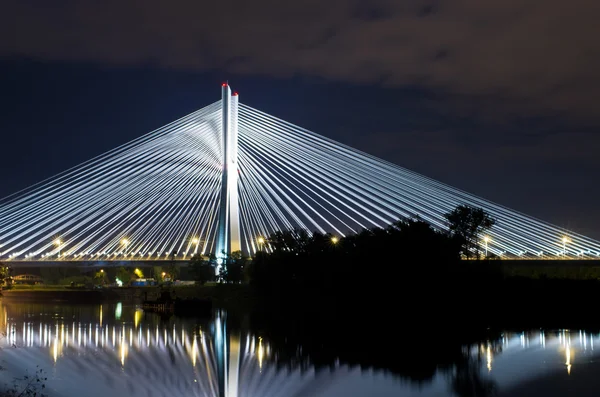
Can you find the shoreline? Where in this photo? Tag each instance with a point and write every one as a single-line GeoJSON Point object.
{"type": "Point", "coordinates": [228, 297]}
{"type": "Point", "coordinates": [516, 301]}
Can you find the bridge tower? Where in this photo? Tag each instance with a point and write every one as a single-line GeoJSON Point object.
{"type": "Point", "coordinates": [228, 232]}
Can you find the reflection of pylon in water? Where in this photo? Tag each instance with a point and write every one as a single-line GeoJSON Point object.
{"type": "Point", "coordinates": [227, 349]}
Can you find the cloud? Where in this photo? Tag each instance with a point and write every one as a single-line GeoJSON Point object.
{"type": "Point", "coordinates": [470, 158]}
{"type": "Point", "coordinates": [538, 56]}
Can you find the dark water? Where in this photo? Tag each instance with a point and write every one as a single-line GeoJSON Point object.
{"type": "Point", "coordinates": [118, 350]}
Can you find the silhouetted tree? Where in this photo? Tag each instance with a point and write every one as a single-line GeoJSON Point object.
{"type": "Point", "coordinates": [466, 224]}
{"type": "Point", "coordinates": [378, 264]}
{"type": "Point", "coordinates": [100, 278]}
{"type": "Point", "coordinates": [4, 273]}
{"type": "Point", "coordinates": [295, 240]}
{"type": "Point", "coordinates": [202, 269]}
{"type": "Point", "coordinates": [157, 272]}
{"type": "Point", "coordinates": [233, 269]}
{"type": "Point", "coordinates": [124, 275]}
{"type": "Point", "coordinates": [172, 269]}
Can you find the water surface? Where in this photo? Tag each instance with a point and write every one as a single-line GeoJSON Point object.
{"type": "Point", "coordinates": [118, 350]}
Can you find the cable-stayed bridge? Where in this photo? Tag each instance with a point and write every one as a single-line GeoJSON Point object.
{"type": "Point", "coordinates": [216, 180]}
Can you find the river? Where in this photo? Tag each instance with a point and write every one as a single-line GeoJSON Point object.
{"type": "Point", "coordinates": [119, 350]}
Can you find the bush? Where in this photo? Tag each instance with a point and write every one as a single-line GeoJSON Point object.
{"type": "Point", "coordinates": [77, 280]}
{"type": "Point", "coordinates": [28, 385]}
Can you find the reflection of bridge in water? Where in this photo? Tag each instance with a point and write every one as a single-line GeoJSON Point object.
{"type": "Point", "coordinates": [567, 342]}
{"type": "Point", "coordinates": [120, 350]}
{"type": "Point", "coordinates": [150, 360]}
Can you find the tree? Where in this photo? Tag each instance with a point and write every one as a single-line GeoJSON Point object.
{"type": "Point", "coordinates": [202, 269]}
{"type": "Point", "coordinates": [100, 277]}
{"type": "Point", "coordinates": [467, 224]}
{"type": "Point", "coordinates": [233, 269]}
{"type": "Point", "coordinates": [172, 269]}
{"type": "Point", "coordinates": [4, 273]}
{"type": "Point", "coordinates": [296, 240]}
{"type": "Point", "coordinates": [157, 273]}
{"type": "Point", "coordinates": [123, 275]}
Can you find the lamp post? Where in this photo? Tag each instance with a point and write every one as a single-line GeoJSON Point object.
{"type": "Point", "coordinates": [486, 239]}
{"type": "Point", "coordinates": [334, 240]}
{"type": "Point", "coordinates": [565, 240]}
{"type": "Point", "coordinates": [125, 243]}
{"type": "Point", "coordinates": [261, 242]}
{"type": "Point", "coordinates": [58, 243]}
{"type": "Point", "coordinates": [196, 242]}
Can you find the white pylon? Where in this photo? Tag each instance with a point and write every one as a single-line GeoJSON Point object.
{"type": "Point", "coordinates": [228, 233]}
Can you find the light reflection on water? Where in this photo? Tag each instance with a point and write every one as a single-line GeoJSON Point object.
{"type": "Point", "coordinates": [120, 350]}
{"type": "Point", "coordinates": [561, 341]}
{"type": "Point", "coordinates": [139, 355]}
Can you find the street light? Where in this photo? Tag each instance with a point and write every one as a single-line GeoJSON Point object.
{"type": "Point", "coordinates": [565, 240]}
{"type": "Point", "coordinates": [486, 239]}
{"type": "Point", "coordinates": [58, 243]}
{"type": "Point", "coordinates": [125, 242]}
{"type": "Point", "coordinates": [334, 240]}
{"type": "Point", "coordinates": [261, 242]}
{"type": "Point", "coordinates": [196, 241]}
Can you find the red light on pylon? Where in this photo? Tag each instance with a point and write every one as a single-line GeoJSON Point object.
{"type": "Point", "coordinates": [224, 85]}
{"type": "Point", "coordinates": [235, 94]}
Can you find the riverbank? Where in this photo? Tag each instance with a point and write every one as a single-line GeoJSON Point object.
{"type": "Point", "coordinates": [233, 297]}
{"type": "Point", "coordinates": [553, 269]}
{"type": "Point", "coordinates": [54, 295]}
{"type": "Point", "coordinates": [491, 303]}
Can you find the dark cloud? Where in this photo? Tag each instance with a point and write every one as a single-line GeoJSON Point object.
{"type": "Point", "coordinates": [542, 56]}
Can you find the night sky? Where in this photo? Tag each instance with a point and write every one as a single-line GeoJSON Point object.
{"type": "Point", "coordinates": [499, 98]}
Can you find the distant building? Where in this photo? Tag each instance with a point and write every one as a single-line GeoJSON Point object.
{"type": "Point", "coordinates": [143, 282]}
{"type": "Point", "coordinates": [31, 279]}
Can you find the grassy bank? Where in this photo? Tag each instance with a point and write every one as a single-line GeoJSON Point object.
{"type": "Point", "coordinates": [25, 287]}
{"type": "Point", "coordinates": [508, 283]}
{"type": "Point", "coordinates": [50, 295]}
{"type": "Point", "coordinates": [552, 271]}
{"type": "Point", "coordinates": [235, 297]}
